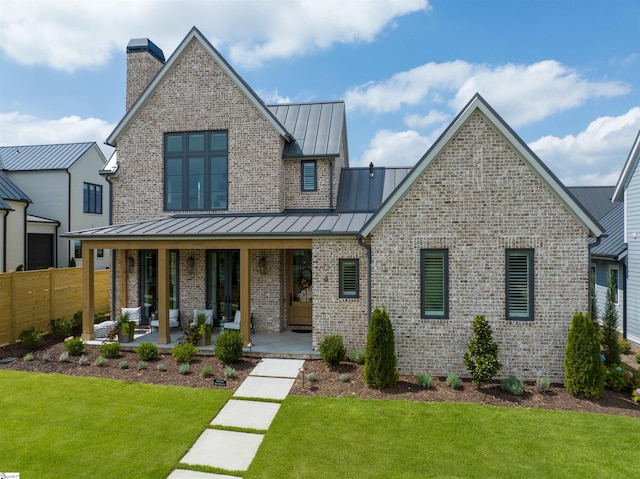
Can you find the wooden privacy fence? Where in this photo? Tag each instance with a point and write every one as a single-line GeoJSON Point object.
{"type": "Point", "coordinates": [32, 298]}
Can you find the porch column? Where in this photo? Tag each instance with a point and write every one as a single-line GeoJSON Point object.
{"type": "Point", "coordinates": [122, 282]}
{"type": "Point", "coordinates": [87, 292]}
{"type": "Point", "coordinates": [164, 337]}
{"type": "Point", "coordinates": [245, 295]}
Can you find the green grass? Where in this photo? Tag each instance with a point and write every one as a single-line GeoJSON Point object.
{"type": "Point", "coordinates": [54, 426]}
{"type": "Point", "coordinates": [328, 438]}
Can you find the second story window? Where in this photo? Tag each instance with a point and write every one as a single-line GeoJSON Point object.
{"type": "Point", "coordinates": [308, 175]}
{"type": "Point", "coordinates": [92, 198]}
{"type": "Point", "coordinates": [196, 171]}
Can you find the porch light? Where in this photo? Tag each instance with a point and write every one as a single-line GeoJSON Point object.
{"type": "Point", "coordinates": [371, 170]}
{"type": "Point", "coordinates": [131, 262]}
{"type": "Point", "coordinates": [191, 263]}
{"type": "Point", "coordinates": [263, 265]}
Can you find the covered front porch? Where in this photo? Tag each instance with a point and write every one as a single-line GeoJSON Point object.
{"type": "Point", "coordinates": [287, 344]}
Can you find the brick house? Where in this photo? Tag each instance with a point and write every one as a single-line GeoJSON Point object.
{"type": "Point", "coordinates": [224, 203]}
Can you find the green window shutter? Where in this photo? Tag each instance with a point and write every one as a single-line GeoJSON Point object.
{"type": "Point", "coordinates": [308, 179]}
{"type": "Point", "coordinates": [519, 284]}
{"type": "Point", "coordinates": [435, 290]}
{"type": "Point", "coordinates": [349, 278]}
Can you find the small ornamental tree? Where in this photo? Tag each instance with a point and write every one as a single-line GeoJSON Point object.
{"type": "Point", "coordinates": [481, 358]}
{"type": "Point", "coordinates": [583, 368]}
{"type": "Point", "coordinates": [380, 357]}
{"type": "Point", "coordinates": [610, 345]}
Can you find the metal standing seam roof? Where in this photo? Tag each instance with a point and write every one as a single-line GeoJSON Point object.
{"type": "Point", "coordinates": [595, 199]}
{"type": "Point", "coordinates": [316, 127]}
{"type": "Point", "coordinates": [9, 191]}
{"type": "Point", "coordinates": [42, 157]}
{"type": "Point", "coordinates": [221, 226]}
{"type": "Point", "coordinates": [359, 191]}
{"type": "Point", "coordinates": [612, 245]}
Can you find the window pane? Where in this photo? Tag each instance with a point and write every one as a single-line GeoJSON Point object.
{"type": "Point", "coordinates": [196, 184]}
{"type": "Point", "coordinates": [196, 142]}
{"type": "Point", "coordinates": [85, 198]}
{"type": "Point", "coordinates": [219, 141]}
{"type": "Point", "coordinates": [519, 279]}
{"type": "Point", "coordinates": [434, 283]}
{"type": "Point", "coordinates": [99, 199]}
{"type": "Point", "coordinates": [174, 143]}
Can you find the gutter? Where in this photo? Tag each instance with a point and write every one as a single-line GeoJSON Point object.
{"type": "Point", "coordinates": [69, 215]}
{"type": "Point", "coordinates": [592, 245]}
{"type": "Point", "coordinates": [368, 248]}
{"type": "Point", "coordinates": [24, 240]}
{"type": "Point", "coordinates": [331, 183]}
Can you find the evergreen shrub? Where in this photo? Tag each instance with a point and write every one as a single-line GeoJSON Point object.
{"type": "Point", "coordinates": [229, 347]}
{"type": "Point", "coordinates": [481, 357]}
{"type": "Point", "coordinates": [332, 350]}
{"type": "Point", "coordinates": [583, 368]}
{"type": "Point", "coordinates": [380, 357]}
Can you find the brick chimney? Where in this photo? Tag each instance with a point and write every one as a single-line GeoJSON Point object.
{"type": "Point", "coordinates": [144, 60]}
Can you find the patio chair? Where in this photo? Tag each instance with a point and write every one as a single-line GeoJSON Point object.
{"type": "Point", "coordinates": [208, 316]}
{"type": "Point", "coordinates": [134, 314]}
{"type": "Point", "coordinates": [235, 324]}
{"type": "Point", "coordinates": [174, 320]}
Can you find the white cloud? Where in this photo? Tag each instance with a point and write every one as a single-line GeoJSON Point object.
{"type": "Point", "coordinates": [395, 148]}
{"type": "Point", "coordinates": [72, 34]}
{"type": "Point", "coordinates": [523, 94]}
{"type": "Point", "coordinates": [423, 121]}
{"type": "Point", "coordinates": [17, 129]}
{"type": "Point", "coordinates": [273, 97]}
{"type": "Point", "coordinates": [594, 156]}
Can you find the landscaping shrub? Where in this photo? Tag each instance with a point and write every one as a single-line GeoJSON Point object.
{"type": "Point", "coordinates": [424, 380]}
{"type": "Point", "coordinates": [184, 368]}
{"type": "Point", "coordinates": [147, 351]}
{"type": "Point", "coordinates": [28, 357]}
{"type": "Point", "coordinates": [184, 353]}
{"type": "Point", "coordinates": [311, 377]}
{"type": "Point", "coordinates": [481, 357]}
{"type": "Point", "coordinates": [229, 372]}
{"type": "Point", "coordinates": [344, 378]}
{"type": "Point", "coordinates": [64, 357]}
{"type": "Point", "coordinates": [77, 323]}
{"type": "Point", "coordinates": [74, 346]}
{"type": "Point", "coordinates": [161, 367]}
{"type": "Point", "coordinates": [83, 360]}
{"type": "Point", "coordinates": [380, 357]}
{"type": "Point", "coordinates": [619, 377]}
{"type": "Point", "coordinates": [609, 340]}
{"type": "Point", "coordinates": [638, 358]}
{"type": "Point", "coordinates": [453, 381]}
{"type": "Point", "coordinates": [123, 364]}
{"type": "Point", "coordinates": [110, 350]}
{"type": "Point", "coordinates": [101, 361]}
{"type": "Point", "coordinates": [31, 337]}
{"type": "Point", "coordinates": [357, 355]}
{"type": "Point", "coordinates": [46, 356]}
{"type": "Point", "coordinates": [61, 327]}
{"type": "Point", "coordinates": [583, 368]}
{"type": "Point", "coordinates": [229, 347]}
{"type": "Point", "coordinates": [332, 350]}
{"type": "Point", "coordinates": [624, 345]}
{"type": "Point", "coordinates": [512, 385]}
{"type": "Point", "coordinates": [543, 385]}
{"type": "Point", "coordinates": [142, 365]}
{"type": "Point", "coordinates": [206, 371]}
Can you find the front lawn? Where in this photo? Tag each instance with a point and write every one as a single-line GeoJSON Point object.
{"type": "Point", "coordinates": [328, 437]}
{"type": "Point", "coordinates": [54, 426]}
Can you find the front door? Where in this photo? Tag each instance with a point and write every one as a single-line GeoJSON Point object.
{"type": "Point", "coordinates": [301, 289]}
{"type": "Point", "coordinates": [224, 282]}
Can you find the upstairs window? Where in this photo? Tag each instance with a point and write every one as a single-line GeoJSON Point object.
{"type": "Point", "coordinates": [91, 198]}
{"type": "Point", "coordinates": [434, 283]}
{"type": "Point", "coordinates": [519, 284]}
{"type": "Point", "coordinates": [349, 278]}
{"type": "Point", "coordinates": [308, 175]}
{"type": "Point", "coordinates": [196, 171]}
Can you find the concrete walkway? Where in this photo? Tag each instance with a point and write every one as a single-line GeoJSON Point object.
{"type": "Point", "coordinates": [232, 450]}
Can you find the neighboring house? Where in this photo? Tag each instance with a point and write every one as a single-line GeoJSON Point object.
{"type": "Point", "coordinates": [65, 186]}
{"type": "Point", "coordinates": [222, 202]}
{"type": "Point", "coordinates": [628, 190]}
{"type": "Point", "coordinates": [13, 225]}
{"type": "Point", "coordinates": [608, 253]}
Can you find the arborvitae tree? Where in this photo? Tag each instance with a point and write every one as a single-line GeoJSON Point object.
{"type": "Point", "coordinates": [481, 358]}
{"type": "Point", "coordinates": [593, 300]}
{"type": "Point", "coordinates": [380, 357]}
{"type": "Point", "coordinates": [583, 368]}
{"type": "Point", "coordinates": [610, 346]}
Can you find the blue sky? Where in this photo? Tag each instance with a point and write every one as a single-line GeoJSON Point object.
{"type": "Point", "coordinates": [564, 74]}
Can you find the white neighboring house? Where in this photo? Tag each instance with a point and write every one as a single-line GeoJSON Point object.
{"type": "Point", "coordinates": [67, 193]}
{"type": "Point", "coordinates": [13, 224]}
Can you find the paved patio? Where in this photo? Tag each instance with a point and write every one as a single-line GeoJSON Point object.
{"type": "Point", "coordinates": [287, 344]}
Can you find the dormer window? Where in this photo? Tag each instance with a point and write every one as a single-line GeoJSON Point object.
{"type": "Point", "coordinates": [196, 171]}
{"type": "Point", "coordinates": [308, 177]}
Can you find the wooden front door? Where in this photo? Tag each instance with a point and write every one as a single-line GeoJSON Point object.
{"type": "Point", "coordinates": [301, 289]}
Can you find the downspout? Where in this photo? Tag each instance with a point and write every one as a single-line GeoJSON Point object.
{"type": "Point", "coordinates": [24, 240]}
{"type": "Point", "coordinates": [55, 246]}
{"type": "Point", "coordinates": [4, 242]}
{"type": "Point", "coordinates": [113, 257]}
{"type": "Point", "coordinates": [624, 299]}
{"type": "Point", "coordinates": [69, 215]}
{"type": "Point", "coordinates": [589, 297]}
{"type": "Point", "coordinates": [368, 248]}
{"type": "Point", "coordinates": [331, 184]}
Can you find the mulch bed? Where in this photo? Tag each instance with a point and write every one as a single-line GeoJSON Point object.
{"type": "Point", "coordinates": [327, 382]}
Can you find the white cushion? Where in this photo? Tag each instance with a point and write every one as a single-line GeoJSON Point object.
{"type": "Point", "coordinates": [208, 316]}
{"type": "Point", "coordinates": [102, 329]}
{"type": "Point", "coordinates": [235, 324]}
{"type": "Point", "coordinates": [134, 314]}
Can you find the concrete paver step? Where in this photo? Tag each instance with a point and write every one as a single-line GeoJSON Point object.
{"type": "Point", "coordinates": [186, 474]}
{"type": "Point", "coordinates": [264, 388]}
{"type": "Point", "coordinates": [247, 414]}
{"type": "Point", "coordinates": [228, 450]}
{"type": "Point", "coordinates": [278, 368]}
